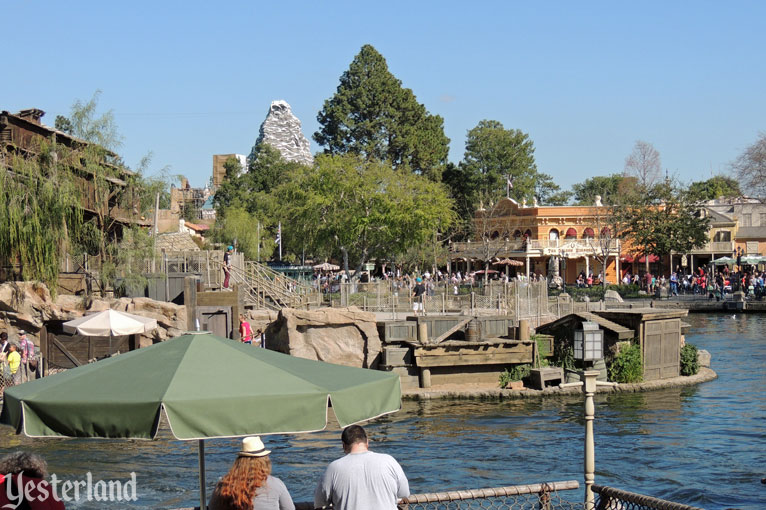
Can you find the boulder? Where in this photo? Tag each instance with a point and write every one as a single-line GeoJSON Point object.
{"type": "Point", "coordinates": [345, 336]}
{"type": "Point", "coordinates": [703, 358]}
{"type": "Point", "coordinates": [612, 295]}
{"type": "Point", "coordinates": [28, 305]}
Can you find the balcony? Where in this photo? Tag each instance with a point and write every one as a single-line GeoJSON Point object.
{"type": "Point", "coordinates": [719, 247]}
{"type": "Point", "coordinates": [570, 248]}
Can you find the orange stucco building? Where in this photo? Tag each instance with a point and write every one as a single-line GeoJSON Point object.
{"type": "Point", "coordinates": [577, 235]}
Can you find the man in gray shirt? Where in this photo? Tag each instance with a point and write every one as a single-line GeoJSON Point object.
{"type": "Point", "coordinates": [361, 480]}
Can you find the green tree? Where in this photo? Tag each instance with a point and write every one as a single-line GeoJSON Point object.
{"type": "Point", "coordinates": [236, 224]}
{"type": "Point", "coordinates": [252, 190]}
{"type": "Point", "coordinates": [491, 154]}
{"type": "Point", "coordinates": [719, 186]}
{"type": "Point", "coordinates": [84, 123]}
{"type": "Point", "coordinates": [548, 192]}
{"type": "Point", "coordinates": [608, 187]}
{"type": "Point", "coordinates": [373, 116]}
{"type": "Point", "coordinates": [358, 210]}
{"type": "Point", "coordinates": [39, 213]}
{"type": "Point", "coordinates": [665, 219]}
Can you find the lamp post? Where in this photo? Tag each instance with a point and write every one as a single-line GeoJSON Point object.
{"type": "Point", "coordinates": [589, 347]}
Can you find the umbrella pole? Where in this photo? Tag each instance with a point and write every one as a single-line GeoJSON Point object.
{"type": "Point", "coordinates": [202, 497]}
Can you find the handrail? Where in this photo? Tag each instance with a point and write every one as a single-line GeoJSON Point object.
{"type": "Point", "coordinates": [636, 499]}
{"type": "Point", "coordinates": [460, 495]}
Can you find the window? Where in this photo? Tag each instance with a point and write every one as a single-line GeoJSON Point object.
{"type": "Point", "coordinates": [747, 220]}
{"type": "Point", "coordinates": [722, 236]}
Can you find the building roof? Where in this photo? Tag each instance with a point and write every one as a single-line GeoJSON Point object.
{"type": "Point", "coordinates": [751, 232]}
{"type": "Point", "coordinates": [175, 241]}
{"type": "Point", "coordinates": [622, 332]}
{"type": "Point", "coordinates": [197, 227]}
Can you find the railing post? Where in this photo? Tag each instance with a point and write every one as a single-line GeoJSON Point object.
{"type": "Point", "coordinates": [473, 302]}
{"type": "Point", "coordinates": [589, 388]}
{"type": "Point", "coordinates": [444, 302]}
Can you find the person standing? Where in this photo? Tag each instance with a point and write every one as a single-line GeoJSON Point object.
{"type": "Point", "coordinates": [417, 294]}
{"type": "Point", "coordinates": [227, 266]}
{"type": "Point", "coordinates": [245, 333]}
{"type": "Point", "coordinates": [249, 484]}
{"type": "Point", "coordinates": [361, 479]}
{"type": "Point", "coordinates": [14, 363]}
{"type": "Point", "coordinates": [27, 348]}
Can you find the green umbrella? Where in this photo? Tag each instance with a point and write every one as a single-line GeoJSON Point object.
{"type": "Point", "coordinates": [206, 386]}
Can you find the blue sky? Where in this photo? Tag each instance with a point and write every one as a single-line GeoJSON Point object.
{"type": "Point", "coordinates": [585, 80]}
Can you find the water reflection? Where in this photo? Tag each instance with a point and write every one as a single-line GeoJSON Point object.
{"type": "Point", "coordinates": [704, 445]}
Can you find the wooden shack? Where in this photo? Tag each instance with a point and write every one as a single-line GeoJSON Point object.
{"type": "Point", "coordinates": [659, 332]}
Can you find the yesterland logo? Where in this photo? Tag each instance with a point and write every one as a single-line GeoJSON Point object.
{"type": "Point", "coordinates": [19, 489]}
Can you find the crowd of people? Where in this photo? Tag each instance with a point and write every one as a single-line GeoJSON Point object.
{"type": "Point", "coordinates": [360, 479]}
{"type": "Point", "coordinates": [703, 282]}
{"type": "Point", "coordinates": [18, 360]}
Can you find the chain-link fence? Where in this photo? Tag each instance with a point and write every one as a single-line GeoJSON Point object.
{"type": "Point", "coordinates": [609, 498]}
{"type": "Point", "coordinates": [518, 299]}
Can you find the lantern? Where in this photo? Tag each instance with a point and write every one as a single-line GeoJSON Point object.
{"type": "Point", "coordinates": [589, 342]}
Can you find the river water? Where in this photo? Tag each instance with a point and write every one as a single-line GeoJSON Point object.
{"type": "Point", "coordinates": [703, 445]}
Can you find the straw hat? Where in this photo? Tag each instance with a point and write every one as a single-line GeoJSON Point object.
{"type": "Point", "coordinates": [252, 446]}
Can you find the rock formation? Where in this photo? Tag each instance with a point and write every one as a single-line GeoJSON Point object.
{"type": "Point", "coordinates": [345, 336]}
{"type": "Point", "coordinates": [28, 305]}
{"type": "Point", "coordinates": [282, 130]}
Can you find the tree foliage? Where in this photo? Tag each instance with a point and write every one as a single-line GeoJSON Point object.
{"type": "Point", "coordinates": [609, 187]}
{"type": "Point", "coordinates": [358, 209]}
{"type": "Point", "coordinates": [492, 153]}
{"type": "Point", "coordinates": [237, 226]}
{"type": "Point", "coordinates": [662, 219]}
{"type": "Point", "coordinates": [719, 186]}
{"type": "Point", "coordinates": [371, 115]}
{"type": "Point", "coordinates": [39, 213]}
{"type": "Point", "coordinates": [252, 190]}
{"type": "Point", "coordinates": [750, 168]}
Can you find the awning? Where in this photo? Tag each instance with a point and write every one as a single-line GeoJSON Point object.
{"type": "Point", "coordinates": [640, 260]}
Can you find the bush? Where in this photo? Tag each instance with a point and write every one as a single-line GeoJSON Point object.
{"type": "Point", "coordinates": [627, 366]}
{"type": "Point", "coordinates": [517, 373]}
{"type": "Point", "coordinates": [689, 363]}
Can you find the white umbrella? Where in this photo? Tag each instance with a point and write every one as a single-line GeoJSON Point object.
{"type": "Point", "coordinates": [110, 323]}
{"type": "Point", "coordinates": [326, 267]}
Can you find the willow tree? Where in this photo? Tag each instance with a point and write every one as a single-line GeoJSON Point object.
{"type": "Point", "coordinates": [39, 212]}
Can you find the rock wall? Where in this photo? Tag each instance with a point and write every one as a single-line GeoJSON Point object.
{"type": "Point", "coordinates": [345, 336]}
{"type": "Point", "coordinates": [28, 305]}
{"type": "Point", "coordinates": [282, 130]}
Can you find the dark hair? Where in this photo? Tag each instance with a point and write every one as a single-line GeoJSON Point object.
{"type": "Point", "coordinates": [3, 336]}
{"type": "Point", "coordinates": [353, 434]}
{"type": "Point", "coordinates": [29, 464]}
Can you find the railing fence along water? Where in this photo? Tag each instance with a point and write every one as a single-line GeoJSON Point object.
{"type": "Point", "coordinates": [519, 299]}
{"type": "Point", "coordinates": [609, 498]}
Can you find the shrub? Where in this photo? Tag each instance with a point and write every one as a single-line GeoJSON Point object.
{"type": "Point", "coordinates": [563, 356]}
{"type": "Point", "coordinates": [517, 373]}
{"type": "Point", "coordinates": [689, 363]}
{"type": "Point", "coordinates": [627, 366]}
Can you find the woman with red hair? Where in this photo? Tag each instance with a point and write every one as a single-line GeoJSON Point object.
{"type": "Point", "coordinates": [249, 485]}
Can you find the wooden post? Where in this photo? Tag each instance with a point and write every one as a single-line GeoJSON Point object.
{"type": "Point", "coordinates": [473, 302]}
{"type": "Point", "coordinates": [589, 388]}
{"type": "Point", "coordinates": [44, 346]}
{"type": "Point", "coordinates": [425, 377]}
{"type": "Point", "coordinates": [523, 329]}
{"type": "Point", "coordinates": [444, 302]}
{"type": "Point", "coordinates": [364, 302]}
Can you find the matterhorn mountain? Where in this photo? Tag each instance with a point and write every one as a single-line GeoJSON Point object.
{"type": "Point", "coordinates": [282, 130]}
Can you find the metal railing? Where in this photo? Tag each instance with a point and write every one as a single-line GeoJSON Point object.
{"type": "Point", "coordinates": [609, 498]}
{"type": "Point", "coordinates": [540, 496]}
